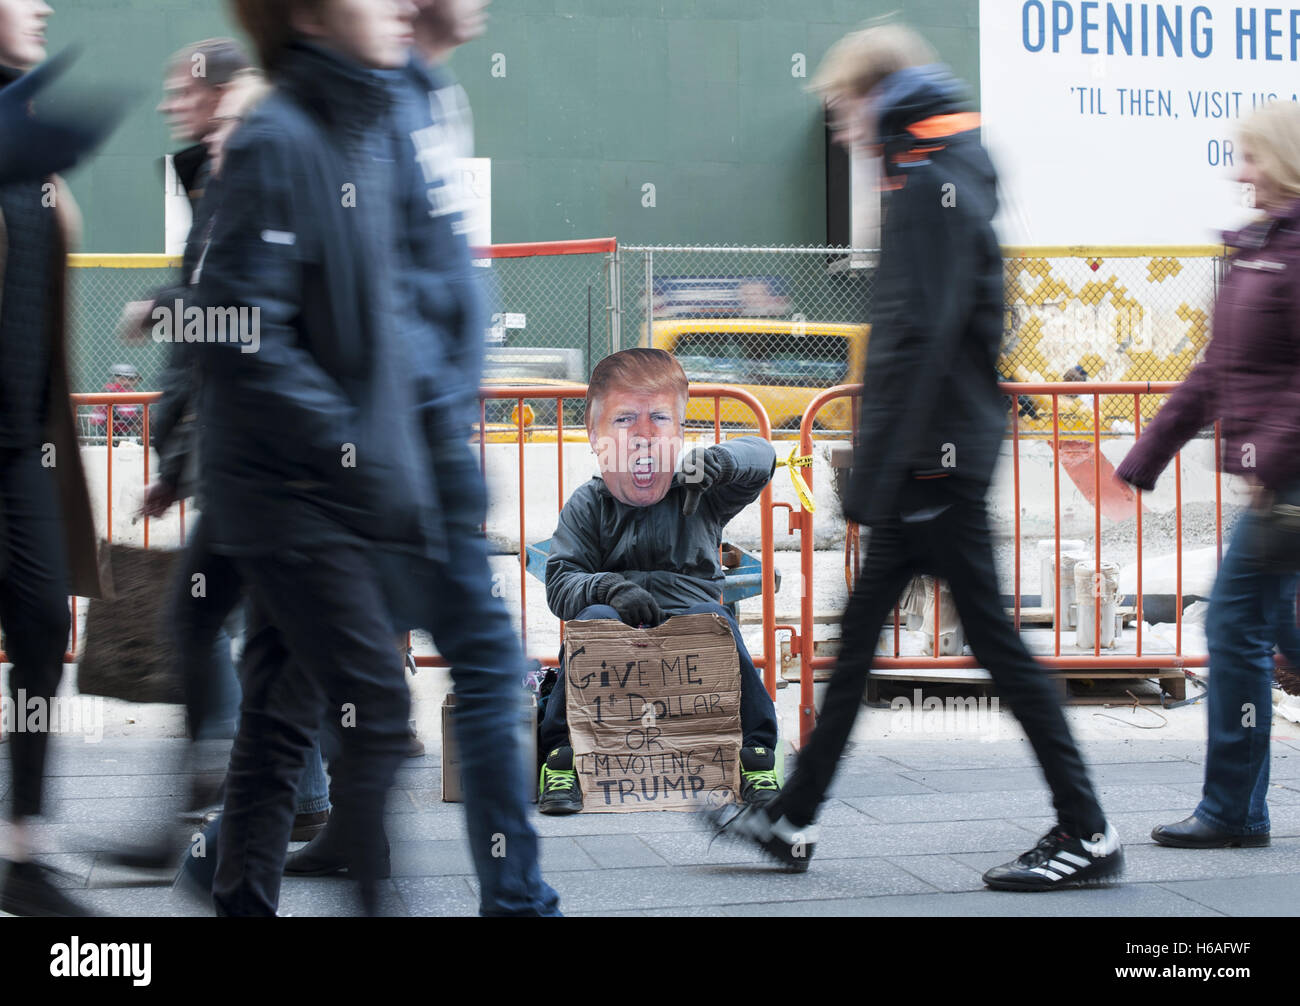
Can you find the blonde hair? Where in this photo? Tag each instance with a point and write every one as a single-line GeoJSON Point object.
{"type": "Point", "coordinates": [863, 58]}
{"type": "Point", "coordinates": [1273, 135]}
{"type": "Point", "coordinates": [245, 90]}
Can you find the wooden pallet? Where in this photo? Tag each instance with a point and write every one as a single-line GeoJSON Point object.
{"type": "Point", "coordinates": [1171, 680]}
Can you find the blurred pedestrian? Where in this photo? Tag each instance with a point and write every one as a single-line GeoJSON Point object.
{"type": "Point", "coordinates": [47, 533]}
{"type": "Point", "coordinates": [1250, 380]}
{"type": "Point", "coordinates": [312, 458]}
{"type": "Point", "coordinates": [932, 422]}
{"type": "Point", "coordinates": [445, 319]}
{"type": "Point", "coordinates": [197, 619]}
{"type": "Point", "coordinates": [195, 80]}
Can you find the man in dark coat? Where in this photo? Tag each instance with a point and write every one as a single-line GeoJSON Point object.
{"type": "Point", "coordinates": [640, 544]}
{"type": "Point", "coordinates": [443, 315]}
{"type": "Point", "coordinates": [313, 460]}
{"type": "Point", "coordinates": [932, 422]}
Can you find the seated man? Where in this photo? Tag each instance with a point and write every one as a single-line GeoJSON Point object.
{"type": "Point", "coordinates": [640, 543]}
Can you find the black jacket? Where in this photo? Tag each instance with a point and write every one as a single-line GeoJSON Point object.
{"type": "Point", "coordinates": [930, 402]}
{"type": "Point", "coordinates": [312, 439]}
{"type": "Point", "coordinates": [601, 539]}
{"type": "Point", "coordinates": [173, 418]}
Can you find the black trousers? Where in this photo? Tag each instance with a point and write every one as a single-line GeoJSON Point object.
{"type": "Point", "coordinates": [954, 545]}
{"type": "Point", "coordinates": [197, 613]}
{"type": "Point", "coordinates": [319, 643]}
{"type": "Point", "coordinates": [33, 608]}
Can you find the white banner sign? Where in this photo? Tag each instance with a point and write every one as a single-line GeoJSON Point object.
{"type": "Point", "coordinates": [1117, 123]}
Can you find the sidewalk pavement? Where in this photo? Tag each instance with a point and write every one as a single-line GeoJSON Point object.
{"type": "Point", "coordinates": [912, 825]}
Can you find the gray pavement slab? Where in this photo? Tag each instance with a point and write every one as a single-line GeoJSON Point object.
{"type": "Point", "coordinates": [1259, 895]}
{"type": "Point", "coordinates": [619, 851]}
{"type": "Point", "coordinates": [436, 896]}
{"type": "Point", "coordinates": [1139, 900]}
{"type": "Point", "coordinates": [911, 827]}
{"type": "Point", "coordinates": [721, 884]}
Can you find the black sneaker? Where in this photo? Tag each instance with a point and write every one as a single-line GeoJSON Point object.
{"type": "Point", "coordinates": [1061, 860]}
{"type": "Point", "coordinates": [758, 783]}
{"type": "Point", "coordinates": [29, 891]}
{"type": "Point", "coordinates": [780, 840]}
{"type": "Point", "coordinates": [558, 791]}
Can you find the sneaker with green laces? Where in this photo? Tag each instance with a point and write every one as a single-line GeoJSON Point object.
{"type": "Point", "coordinates": [558, 791]}
{"type": "Point", "coordinates": [758, 783]}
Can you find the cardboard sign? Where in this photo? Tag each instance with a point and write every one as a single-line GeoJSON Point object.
{"type": "Point", "coordinates": [654, 714]}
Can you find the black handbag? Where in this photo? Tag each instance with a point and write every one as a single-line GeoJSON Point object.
{"type": "Point", "coordinates": [1279, 533]}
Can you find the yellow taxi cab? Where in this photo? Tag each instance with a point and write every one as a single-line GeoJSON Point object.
{"type": "Point", "coordinates": [784, 363]}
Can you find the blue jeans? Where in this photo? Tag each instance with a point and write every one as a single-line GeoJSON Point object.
{"type": "Point", "coordinates": [1241, 629]}
{"type": "Point", "coordinates": [472, 631]}
{"type": "Point", "coordinates": [757, 710]}
{"type": "Point", "coordinates": [314, 787]}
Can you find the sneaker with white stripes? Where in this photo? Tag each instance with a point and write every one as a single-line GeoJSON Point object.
{"type": "Point", "coordinates": [790, 845]}
{"type": "Point", "coordinates": [1061, 860]}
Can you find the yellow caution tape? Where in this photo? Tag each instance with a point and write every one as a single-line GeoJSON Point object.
{"type": "Point", "coordinates": [800, 486]}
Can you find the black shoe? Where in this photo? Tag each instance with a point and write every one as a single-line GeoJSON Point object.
{"type": "Point", "coordinates": [308, 826]}
{"type": "Point", "coordinates": [320, 858]}
{"type": "Point", "coordinates": [758, 783]}
{"type": "Point", "coordinates": [1061, 860]}
{"type": "Point", "coordinates": [1193, 833]}
{"type": "Point", "coordinates": [206, 794]}
{"type": "Point", "coordinates": [158, 854]}
{"type": "Point", "coordinates": [28, 891]}
{"type": "Point", "coordinates": [558, 791]}
{"type": "Point", "coordinates": [789, 845]}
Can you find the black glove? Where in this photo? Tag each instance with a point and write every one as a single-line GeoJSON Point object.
{"type": "Point", "coordinates": [635, 605]}
{"type": "Point", "coordinates": [57, 132]}
{"type": "Point", "coordinates": [701, 470]}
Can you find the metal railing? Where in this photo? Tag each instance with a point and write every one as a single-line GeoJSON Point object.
{"type": "Point", "coordinates": [768, 660]}
{"type": "Point", "coordinates": [801, 522]}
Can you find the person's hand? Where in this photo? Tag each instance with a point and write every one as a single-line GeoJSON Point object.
{"type": "Point", "coordinates": [1261, 497]}
{"type": "Point", "coordinates": [157, 498]}
{"type": "Point", "coordinates": [701, 470]}
{"type": "Point", "coordinates": [1131, 472]}
{"type": "Point", "coordinates": [635, 605]}
{"type": "Point", "coordinates": [133, 327]}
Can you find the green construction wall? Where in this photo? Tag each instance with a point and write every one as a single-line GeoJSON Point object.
{"type": "Point", "coordinates": [599, 97]}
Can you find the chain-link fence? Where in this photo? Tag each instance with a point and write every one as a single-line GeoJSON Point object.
{"type": "Point", "coordinates": [784, 323]}
{"type": "Point", "coordinates": [1119, 314]}
{"type": "Point", "coordinates": [99, 287]}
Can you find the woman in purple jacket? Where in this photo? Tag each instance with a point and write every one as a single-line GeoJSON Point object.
{"type": "Point", "coordinates": [1250, 379]}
